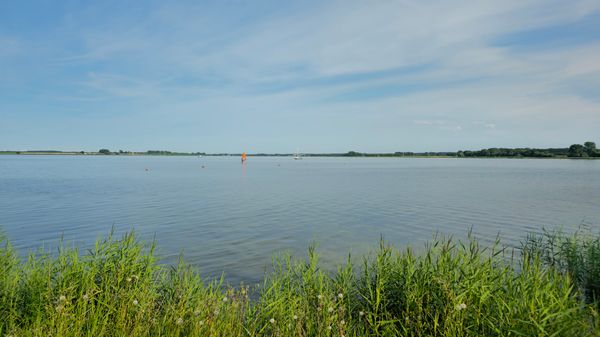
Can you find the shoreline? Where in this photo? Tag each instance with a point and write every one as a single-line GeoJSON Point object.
{"type": "Point", "coordinates": [93, 154]}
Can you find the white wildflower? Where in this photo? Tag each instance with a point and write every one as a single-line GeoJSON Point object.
{"type": "Point", "coordinates": [329, 327]}
{"type": "Point", "coordinates": [295, 317]}
{"type": "Point", "coordinates": [361, 313]}
{"type": "Point", "coordinates": [320, 296]}
{"type": "Point", "coordinates": [180, 321]}
{"type": "Point", "coordinates": [85, 297]}
{"type": "Point", "coordinates": [461, 306]}
{"type": "Point", "coordinates": [342, 322]}
{"type": "Point", "coordinates": [201, 323]}
{"type": "Point", "coordinates": [330, 309]}
{"type": "Point", "coordinates": [62, 298]}
{"type": "Point", "coordinates": [129, 279]}
{"type": "Point", "coordinates": [272, 320]}
{"type": "Point", "coordinates": [135, 302]}
{"type": "Point", "coordinates": [225, 299]}
{"type": "Point", "coordinates": [340, 296]}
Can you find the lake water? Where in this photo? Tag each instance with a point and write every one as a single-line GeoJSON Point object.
{"type": "Point", "coordinates": [232, 218]}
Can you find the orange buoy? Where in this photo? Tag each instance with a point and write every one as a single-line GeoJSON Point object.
{"type": "Point", "coordinates": [243, 157]}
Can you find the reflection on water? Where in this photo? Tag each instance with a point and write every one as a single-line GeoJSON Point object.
{"type": "Point", "coordinates": [231, 217]}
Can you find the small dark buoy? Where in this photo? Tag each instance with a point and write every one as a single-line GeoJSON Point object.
{"type": "Point", "coordinates": [146, 169]}
{"type": "Point", "coordinates": [202, 166]}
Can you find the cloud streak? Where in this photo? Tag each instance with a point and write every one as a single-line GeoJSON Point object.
{"type": "Point", "coordinates": [499, 72]}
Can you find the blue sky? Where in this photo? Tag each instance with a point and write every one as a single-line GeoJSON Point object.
{"type": "Point", "coordinates": [321, 76]}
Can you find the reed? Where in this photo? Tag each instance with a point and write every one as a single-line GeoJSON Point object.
{"type": "Point", "coordinates": [576, 254]}
{"type": "Point", "coordinates": [451, 288]}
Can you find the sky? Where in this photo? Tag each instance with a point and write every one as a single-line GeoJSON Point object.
{"type": "Point", "coordinates": [318, 76]}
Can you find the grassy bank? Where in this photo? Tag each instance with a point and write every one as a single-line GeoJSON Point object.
{"type": "Point", "coordinates": [450, 289]}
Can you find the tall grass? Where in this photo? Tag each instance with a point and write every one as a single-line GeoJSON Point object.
{"type": "Point", "coordinates": [451, 289]}
{"type": "Point", "coordinates": [576, 254]}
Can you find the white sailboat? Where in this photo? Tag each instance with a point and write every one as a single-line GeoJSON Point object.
{"type": "Point", "coordinates": [297, 155]}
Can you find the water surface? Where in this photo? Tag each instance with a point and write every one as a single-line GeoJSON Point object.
{"type": "Point", "coordinates": [232, 218]}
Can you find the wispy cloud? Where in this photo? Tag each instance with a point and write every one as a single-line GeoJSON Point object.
{"type": "Point", "coordinates": [484, 124]}
{"type": "Point", "coordinates": [485, 69]}
{"type": "Point", "coordinates": [426, 122]}
{"type": "Point", "coordinates": [9, 46]}
{"type": "Point", "coordinates": [122, 86]}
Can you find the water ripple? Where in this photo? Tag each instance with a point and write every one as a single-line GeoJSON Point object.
{"type": "Point", "coordinates": [231, 218]}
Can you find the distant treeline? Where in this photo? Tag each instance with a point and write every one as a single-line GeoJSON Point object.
{"type": "Point", "coordinates": [587, 150]}
{"type": "Point", "coordinates": [169, 153]}
{"type": "Point", "coordinates": [518, 152]}
{"type": "Point", "coordinates": [400, 154]}
{"type": "Point", "coordinates": [151, 153]}
{"type": "Point", "coordinates": [574, 151]}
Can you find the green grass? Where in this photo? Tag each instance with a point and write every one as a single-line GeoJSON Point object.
{"type": "Point", "coordinates": [576, 254]}
{"type": "Point", "coordinates": [451, 288]}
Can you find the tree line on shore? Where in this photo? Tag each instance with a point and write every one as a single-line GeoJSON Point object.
{"type": "Point", "coordinates": [150, 153]}
{"type": "Point", "coordinates": [587, 150]}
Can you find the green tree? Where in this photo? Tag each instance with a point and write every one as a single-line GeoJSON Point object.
{"type": "Point", "coordinates": [104, 151]}
{"type": "Point", "coordinates": [590, 148]}
{"type": "Point", "coordinates": [590, 145]}
{"type": "Point", "coordinates": [577, 150]}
